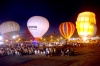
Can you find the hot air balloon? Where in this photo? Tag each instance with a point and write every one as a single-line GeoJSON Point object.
{"type": "Point", "coordinates": [86, 24]}
{"type": "Point", "coordinates": [85, 29]}
{"type": "Point", "coordinates": [9, 29]}
{"type": "Point", "coordinates": [37, 26]}
{"type": "Point", "coordinates": [86, 16]}
{"type": "Point", "coordinates": [67, 29]}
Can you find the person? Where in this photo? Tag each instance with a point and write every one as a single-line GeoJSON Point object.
{"type": "Point", "coordinates": [68, 52]}
{"type": "Point", "coordinates": [72, 51]}
{"type": "Point", "coordinates": [47, 52]}
{"type": "Point", "coordinates": [55, 50]}
{"type": "Point", "coordinates": [51, 51]}
{"type": "Point", "coordinates": [62, 51]}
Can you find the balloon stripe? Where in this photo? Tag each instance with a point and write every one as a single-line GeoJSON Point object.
{"type": "Point", "coordinates": [65, 32]}
{"type": "Point", "coordinates": [71, 25]}
{"type": "Point", "coordinates": [61, 29]}
{"type": "Point", "coordinates": [65, 29]}
{"type": "Point", "coordinates": [69, 29]}
{"type": "Point", "coordinates": [73, 28]}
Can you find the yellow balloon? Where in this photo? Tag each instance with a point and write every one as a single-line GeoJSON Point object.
{"type": "Point", "coordinates": [86, 17]}
{"type": "Point", "coordinates": [85, 24]}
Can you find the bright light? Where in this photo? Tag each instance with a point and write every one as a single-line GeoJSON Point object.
{"type": "Point", "coordinates": [57, 39]}
{"type": "Point", "coordinates": [92, 38]}
{"type": "Point", "coordinates": [30, 40]}
{"type": "Point", "coordinates": [44, 39]}
{"type": "Point", "coordinates": [85, 38]}
{"type": "Point", "coordinates": [6, 40]}
{"type": "Point", "coordinates": [41, 38]}
{"type": "Point", "coordinates": [73, 38]}
{"type": "Point", "coordinates": [16, 41]}
{"type": "Point", "coordinates": [14, 37]}
{"type": "Point", "coordinates": [51, 36]}
{"type": "Point", "coordinates": [61, 38]}
{"type": "Point", "coordinates": [19, 39]}
{"type": "Point", "coordinates": [1, 43]}
{"type": "Point", "coordinates": [1, 37]}
{"type": "Point", "coordinates": [17, 36]}
{"type": "Point", "coordinates": [87, 41]}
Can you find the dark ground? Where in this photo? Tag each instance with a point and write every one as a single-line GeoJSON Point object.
{"type": "Point", "coordinates": [83, 57]}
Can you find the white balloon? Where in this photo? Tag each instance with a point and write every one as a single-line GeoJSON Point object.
{"type": "Point", "coordinates": [9, 29]}
{"type": "Point", "coordinates": [38, 26]}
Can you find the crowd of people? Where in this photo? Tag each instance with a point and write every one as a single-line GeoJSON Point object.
{"type": "Point", "coordinates": [26, 49]}
{"type": "Point", "coordinates": [21, 49]}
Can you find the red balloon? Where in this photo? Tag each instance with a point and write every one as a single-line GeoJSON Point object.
{"type": "Point", "coordinates": [67, 29]}
{"type": "Point", "coordinates": [29, 34]}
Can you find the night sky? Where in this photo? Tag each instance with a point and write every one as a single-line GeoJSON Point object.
{"type": "Point", "coordinates": [55, 11]}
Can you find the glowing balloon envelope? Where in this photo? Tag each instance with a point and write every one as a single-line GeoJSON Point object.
{"type": "Point", "coordinates": [67, 29]}
{"type": "Point", "coordinates": [38, 26]}
{"type": "Point", "coordinates": [85, 29]}
{"type": "Point", "coordinates": [9, 29]}
{"type": "Point", "coordinates": [86, 16]}
{"type": "Point", "coordinates": [86, 24]}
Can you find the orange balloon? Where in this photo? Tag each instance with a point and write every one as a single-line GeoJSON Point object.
{"type": "Point", "coordinates": [67, 29]}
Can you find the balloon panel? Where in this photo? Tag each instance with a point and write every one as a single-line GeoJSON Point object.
{"type": "Point", "coordinates": [84, 29]}
{"type": "Point", "coordinates": [9, 35]}
{"type": "Point", "coordinates": [28, 32]}
{"type": "Point", "coordinates": [95, 30]}
{"type": "Point", "coordinates": [86, 17]}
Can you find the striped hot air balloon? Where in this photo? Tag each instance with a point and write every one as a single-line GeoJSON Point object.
{"type": "Point", "coordinates": [9, 29]}
{"type": "Point", "coordinates": [67, 29]}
